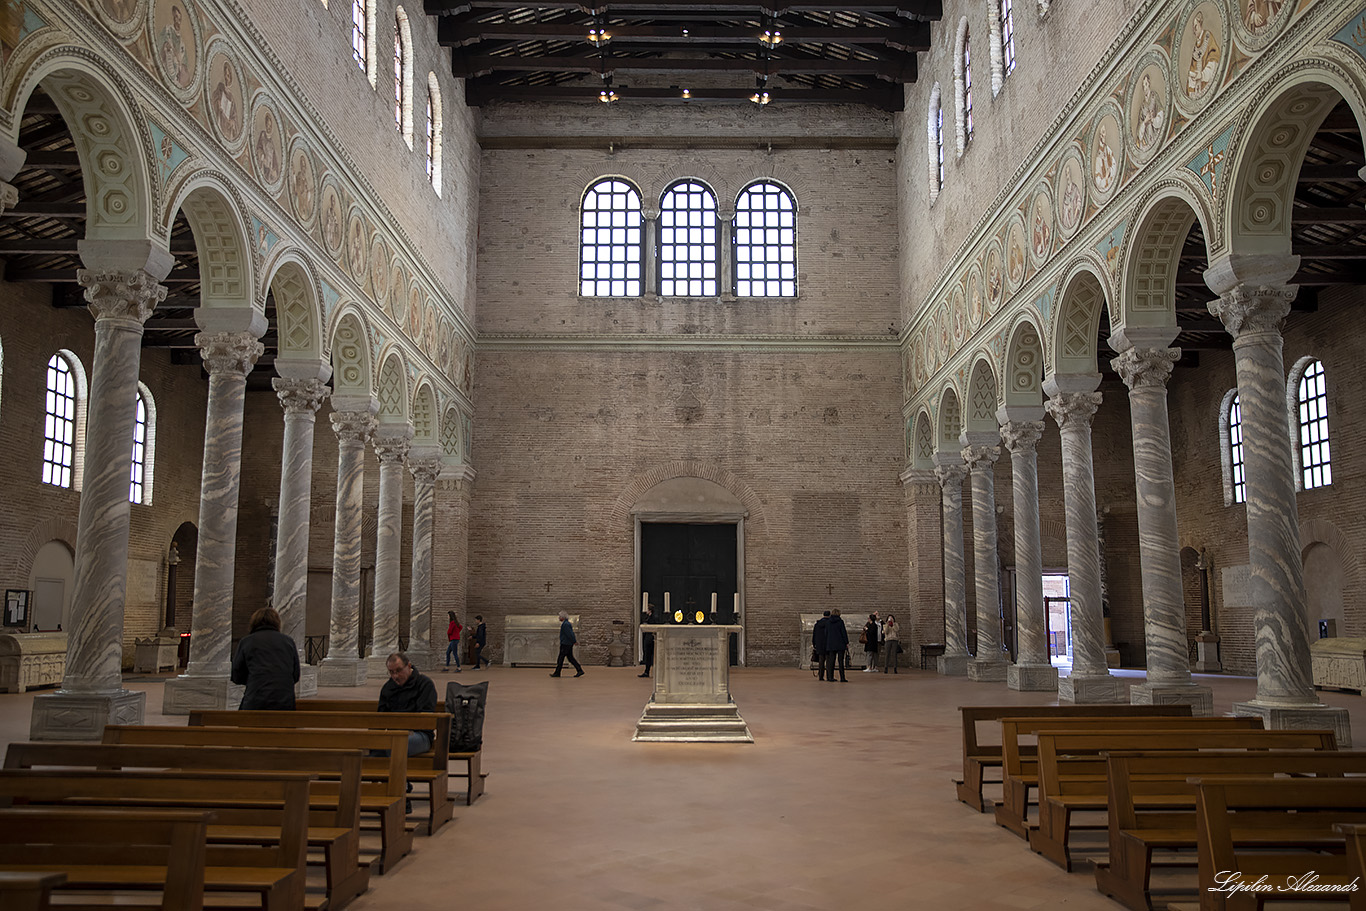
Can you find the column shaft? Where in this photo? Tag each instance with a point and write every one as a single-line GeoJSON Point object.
{"type": "Point", "coordinates": [300, 400]}
{"type": "Point", "coordinates": [424, 473]}
{"type": "Point", "coordinates": [391, 449]}
{"type": "Point", "coordinates": [954, 661]}
{"type": "Point", "coordinates": [343, 666]}
{"type": "Point", "coordinates": [990, 662]}
{"type": "Point", "coordinates": [1033, 669]}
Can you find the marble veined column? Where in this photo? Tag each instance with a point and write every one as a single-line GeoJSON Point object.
{"type": "Point", "coordinates": [1254, 300]}
{"type": "Point", "coordinates": [1090, 680]}
{"type": "Point", "coordinates": [954, 661]}
{"type": "Point", "coordinates": [989, 663]}
{"type": "Point", "coordinates": [1146, 371]}
{"type": "Point", "coordinates": [92, 693]}
{"type": "Point", "coordinates": [391, 445]}
{"type": "Point", "coordinates": [424, 472]}
{"type": "Point", "coordinates": [1033, 670]}
{"type": "Point", "coordinates": [343, 665]}
{"type": "Point", "coordinates": [300, 399]}
{"type": "Point", "coordinates": [228, 357]}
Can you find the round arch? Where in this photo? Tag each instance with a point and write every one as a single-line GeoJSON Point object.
{"type": "Point", "coordinates": [1023, 371]}
{"type": "Point", "coordinates": [950, 421]}
{"type": "Point", "coordinates": [391, 386]}
{"type": "Point", "coordinates": [979, 412]}
{"type": "Point", "coordinates": [1148, 288]}
{"type": "Point", "coordinates": [1077, 325]}
{"type": "Point", "coordinates": [351, 355]}
{"type": "Point", "coordinates": [226, 267]}
{"type": "Point", "coordinates": [298, 306]}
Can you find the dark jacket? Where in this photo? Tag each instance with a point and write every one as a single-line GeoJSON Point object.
{"type": "Point", "coordinates": [417, 695]}
{"type": "Point", "coordinates": [481, 636]}
{"type": "Point", "coordinates": [267, 664]}
{"type": "Point", "coordinates": [818, 634]}
{"type": "Point", "coordinates": [836, 636]}
{"type": "Point", "coordinates": [567, 636]}
{"type": "Point", "coordinates": [870, 634]}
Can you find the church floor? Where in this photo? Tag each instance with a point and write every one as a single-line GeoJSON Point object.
{"type": "Point", "coordinates": [842, 802]}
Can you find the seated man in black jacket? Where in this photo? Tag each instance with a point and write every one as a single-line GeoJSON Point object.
{"type": "Point", "coordinates": [409, 690]}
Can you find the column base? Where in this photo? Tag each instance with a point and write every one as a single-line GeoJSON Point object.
{"type": "Point", "coordinates": [82, 716]}
{"type": "Point", "coordinates": [987, 670]}
{"type": "Point", "coordinates": [185, 694]}
{"type": "Point", "coordinates": [1098, 690]}
{"type": "Point", "coordinates": [1199, 698]}
{"type": "Point", "coordinates": [307, 687]}
{"type": "Point", "coordinates": [428, 661]}
{"type": "Point", "coordinates": [1207, 657]}
{"type": "Point", "coordinates": [953, 665]}
{"type": "Point", "coordinates": [1034, 678]}
{"type": "Point", "coordinates": [377, 666]}
{"type": "Point", "coordinates": [341, 672]}
{"type": "Point", "coordinates": [1311, 716]}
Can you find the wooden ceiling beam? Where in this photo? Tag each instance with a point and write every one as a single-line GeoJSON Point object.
{"type": "Point", "coordinates": [468, 66]}
{"type": "Point", "coordinates": [921, 10]}
{"type": "Point", "coordinates": [910, 37]}
{"type": "Point", "coordinates": [887, 97]}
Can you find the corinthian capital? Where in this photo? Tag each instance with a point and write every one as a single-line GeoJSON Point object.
{"type": "Point", "coordinates": [950, 476]}
{"type": "Point", "coordinates": [9, 196]}
{"type": "Point", "coordinates": [121, 295]}
{"type": "Point", "coordinates": [1073, 408]}
{"type": "Point", "coordinates": [425, 470]}
{"type": "Point", "coordinates": [353, 426]}
{"type": "Point", "coordinates": [229, 352]}
{"type": "Point", "coordinates": [392, 444]}
{"type": "Point", "coordinates": [300, 396]}
{"type": "Point", "coordinates": [1249, 309]}
{"type": "Point", "coordinates": [1021, 436]}
{"type": "Point", "coordinates": [981, 458]}
{"type": "Point", "coordinates": [1145, 366]}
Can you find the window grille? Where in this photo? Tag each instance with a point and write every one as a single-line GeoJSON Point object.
{"type": "Point", "coordinates": [765, 242]}
{"type": "Point", "coordinates": [1316, 468]}
{"type": "Point", "coordinates": [688, 241]}
{"type": "Point", "coordinates": [59, 426]}
{"type": "Point", "coordinates": [611, 241]}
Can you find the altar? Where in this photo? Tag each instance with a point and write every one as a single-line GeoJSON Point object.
{"type": "Point", "coordinates": [691, 702]}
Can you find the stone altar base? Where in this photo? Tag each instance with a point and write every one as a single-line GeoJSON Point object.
{"type": "Point", "coordinates": [987, 670]}
{"type": "Point", "coordinates": [341, 672]}
{"type": "Point", "coordinates": [1199, 698]}
{"type": "Point", "coordinates": [377, 666]}
{"type": "Point", "coordinates": [1033, 678]}
{"type": "Point", "coordinates": [184, 694]}
{"type": "Point", "coordinates": [691, 701]}
{"type": "Point", "coordinates": [1092, 690]}
{"type": "Point", "coordinates": [83, 716]}
{"type": "Point", "coordinates": [953, 665]}
{"type": "Point", "coordinates": [307, 687]}
{"type": "Point", "coordinates": [1296, 718]}
{"type": "Point", "coordinates": [1207, 655]}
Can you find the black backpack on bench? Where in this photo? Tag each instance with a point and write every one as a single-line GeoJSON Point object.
{"type": "Point", "coordinates": [466, 705]}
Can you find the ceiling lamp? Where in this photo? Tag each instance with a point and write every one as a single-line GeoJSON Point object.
{"type": "Point", "coordinates": [771, 38]}
{"type": "Point", "coordinates": [760, 97]}
{"type": "Point", "coordinates": [599, 36]}
{"type": "Point", "coordinates": [687, 94]}
{"type": "Point", "coordinates": [609, 96]}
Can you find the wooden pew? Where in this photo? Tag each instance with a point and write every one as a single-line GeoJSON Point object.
{"type": "Point", "coordinates": [382, 793]}
{"type": "Point", "coordinates": [1151, 805]}
{"type": "Point", "coordinates": [107, 850]}
{"type": "Point", "coordinates": [1019, 771]}
{"type": "Point", "coordinates": [978, 755]}
{"type": "Point", "coordinates": [1073, 771]}
{"type": "Point", "coordinates": [1282, 829]}
{"type": "Point", "coordinates": [473, 775]}
{"type": "Point", "coordinates": [273, 873]}
{"type": "Point", "coordinates": [1355, 835]}
{"type": "Point", "coordinates": [335, 831]}
{"type": "Point", "coordinates": [28, 891]}
{"type": "Point", "coordinates": [431, 768]}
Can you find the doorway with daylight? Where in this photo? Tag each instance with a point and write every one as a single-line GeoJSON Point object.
{"type": "Point", "coordinates": [1058, 608]}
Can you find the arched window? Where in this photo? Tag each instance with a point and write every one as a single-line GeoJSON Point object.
{"type": "Point", "coordinates": [610, 241]}
{"type": "Point", "coordinates": [1231, 449]}
{"type": "Point", "coordinates": [434, 133]}
{"type": "Point", "coordinates": [765, 242]}
{"type": "Point", "coordinates": [144, 448]}
{"type": "Point", "coordinates": [688, 241]}
{"type": "Point", "coordinates": [1311, 412]}
{"type": "Point", "coordinates": [1004, 12]}
{"type": "Point", "coordinates": [967, 87]}
{"type": "Point", "coordinates": [934, 125]}
{"type": "Point", "coordinates": [59, 424]}
{"type": "Point", "coordinates": [403, 77]}
{"type": "Point", "coordinates": [361, 18]}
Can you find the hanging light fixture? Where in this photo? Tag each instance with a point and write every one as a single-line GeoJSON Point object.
{"type": "Point", "coordinates": [608, 95]}
{"type": "Point", "coordinates": [687, 94]}
{"type": "Point", "coordinates": [770, 38]}
{"type": "Point", "coordinates": [598, 36]}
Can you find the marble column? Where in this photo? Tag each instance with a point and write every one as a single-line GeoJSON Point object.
{"type": "Point", "coordinates": [923, 621]}
{"type": "Point", "coordinates": [228, 358]}
{"type": "Point", "coordinates": [954, 661]}
{"type": "Point", "coordinates": [1033, 670]}
{"type": "Point", "coordinates": [1146, 370]}
{"type": "Point", "coordinates": [92, 693]}
{"type": "Point", "coordinates": [343, 665]}
{"type": "Point", "coordinates": [420, 646]}
{"type": "Point", "coordinates": [1254, 300]}
{"type": "Point", "coordinates": [450, 551]}
{"type": "Point", "coordinates": [11, 160]}
{"type": "Point", "coordinates": [300, 399]}
{"type": "Point", "coordinates": [1073, 407]}
{"type": "Point", "coordinates": [989, 662]}
{"type": "Point", "coordinates": [391, 445]}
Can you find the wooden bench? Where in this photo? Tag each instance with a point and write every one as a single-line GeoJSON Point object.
{"type": "Point", "coordinates": [335, 832]}
{"type": "Point", "coordinates": [273, 872]}
{"type": "Point", "coordinates": [28, 891]}
{"type": "Point", "coordinates": [473, 775]}
{"type": "Point", "coordinates": [978, 755]}
{"type": "Point", "coordinates": [1282, 829]}
{"type": "Point", "coordinates": [382, 794]}
{"type": "Point", "coordinates": [431, 768]}
{"type": "Point", "coordinates": [1073, 772]}
{"type": "Point", "coordinates": [1019, 770]}
{"type": "Point", "coordinates": [107, 850]}
{"type": "Point", "coordinates": [1151, 806]}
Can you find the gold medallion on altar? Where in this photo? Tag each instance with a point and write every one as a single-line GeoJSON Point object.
{"type": "Point", "coordinates": [701, 616]}
{"type": "Point", "coordinates": [678, 616]}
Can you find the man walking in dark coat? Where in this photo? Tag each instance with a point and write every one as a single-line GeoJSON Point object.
{"type": "Point", "coordinates": [818, 634]}
{"type": "Point", "coordinates": [836, 641]}
{"type": "Point", "coordinates": [567, 641]}
{"type": "Point", "coordinates": [267, 663]}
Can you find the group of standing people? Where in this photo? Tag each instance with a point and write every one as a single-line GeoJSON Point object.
{"type": "Point", "coordinates": [453, 633]}
{"type": "Point", "coordinates": [830, 642]}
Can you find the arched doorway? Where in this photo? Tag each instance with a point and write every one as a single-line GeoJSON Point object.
{"type": "Point", "coordinates": [51, 580]}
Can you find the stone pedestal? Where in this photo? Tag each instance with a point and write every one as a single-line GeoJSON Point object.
{"type": "Point", "coordinates": [1199, 698]}
{"type": "Point", "coordinates": [533, 640]}
{"type": "Point", "coordinates": [1039, 678]}
{"type": "Point", "coordinates": [29, 660]}
{"type": "Point", "coordinates": [377, 666]}
{"type": "Point", "coordinates": [83, 716]}
{"type": "Point", "coordinates": [307, 687]}
{"type": "Point", "coordinates": [341, 672]}
{"type": "Point", "coordinates": [186, 694]}
{"type": "Point", "coordinates": [987, 670]}
{"type": "Point", "coordinates": [691, 701]}
{"type": "Point", "coordinates": [1339, 663]}
{"type": "Point", "coordinates": [1091, 690]}
{"type": "Point", "coordinates": [1207, 654]}
{"type": "Point", "coordinates": [152, 654]}
{"type": "Point", "coordinates": [1296, 718]}
{"type": "Point", "coordinates": [952, 665]}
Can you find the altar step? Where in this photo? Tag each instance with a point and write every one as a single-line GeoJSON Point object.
{"type": "Point", "coordinates": [683, 723]}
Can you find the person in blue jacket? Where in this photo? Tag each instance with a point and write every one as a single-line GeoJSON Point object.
{"type": "Point", "coordinates": [567, 642]}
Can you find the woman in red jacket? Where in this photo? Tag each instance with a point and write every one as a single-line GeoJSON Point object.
{"type": "Point", "coordinates": [453, 647]}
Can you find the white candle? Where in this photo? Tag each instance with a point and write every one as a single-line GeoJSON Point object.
{"type": "Point", "coordinates": [737, 605]}
{"type": "Point", "coordinates": [713, 602]}
{"type": "Point", "coordinates": [666, 602]}
{"type": "Point", "coordinates": [644, 602]}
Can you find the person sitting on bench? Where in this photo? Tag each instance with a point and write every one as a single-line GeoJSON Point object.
{"type": "Point", "coordinates": [409, 690]}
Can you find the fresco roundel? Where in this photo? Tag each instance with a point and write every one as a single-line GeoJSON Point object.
{"type": "Point", "coordinates": [1071, 195]}
{"type": "Point", "coordinates": [223, 95]}
{"type": "Point", "coordinates": [1200, 56]}
{"type": "Point", "coordinates": [175, 44]}
{"type": "Point", "coordinates": [994, 280]}
{"type": "Point", "coordinates": [976, 302]}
